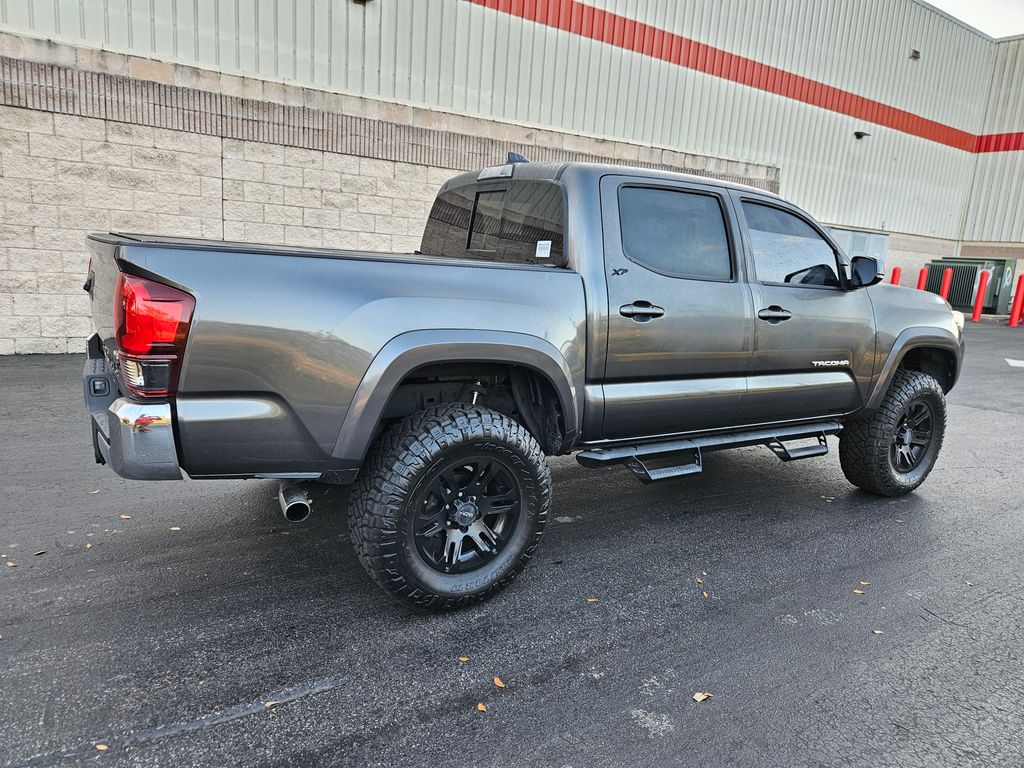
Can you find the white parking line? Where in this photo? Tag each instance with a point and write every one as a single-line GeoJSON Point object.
{"type": "Point", "coordinates": [1015, 363]}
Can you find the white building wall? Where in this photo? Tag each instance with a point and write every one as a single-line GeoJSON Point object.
{"type": "Point", "coordinates": [459, 56]}
{"type": "Point", "coordinates": [996, 210]}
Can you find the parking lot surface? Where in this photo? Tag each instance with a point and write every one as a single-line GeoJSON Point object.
{"type": "Point", "coordinates": [188, 624]}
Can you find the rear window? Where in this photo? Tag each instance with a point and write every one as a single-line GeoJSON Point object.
{"type": "Point", "coordinates": [521, 223]}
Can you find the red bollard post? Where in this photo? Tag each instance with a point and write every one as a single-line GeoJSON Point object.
{"type": "Point", "coordinates": [979, 299]}
{"type": "Point", "coordinates": [922, 278]}
{"type": "Point", "coordinates": [1018, 303]}
{"type": "Point", "coordinates": [947, 283]}
{"type": "Point", "coordinates": [896, 274]}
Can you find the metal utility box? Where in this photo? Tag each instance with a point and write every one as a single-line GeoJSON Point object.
{"type": "Point", "coordinates": [966, 274]}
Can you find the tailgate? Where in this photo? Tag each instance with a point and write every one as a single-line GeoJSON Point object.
{"type": "Point", "coordinates": [101, 284]}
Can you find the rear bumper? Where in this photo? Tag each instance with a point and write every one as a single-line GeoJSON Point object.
{"type": "Point", "coordinates": [135, 439]}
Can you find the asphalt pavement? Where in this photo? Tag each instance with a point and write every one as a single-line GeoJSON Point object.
{"type": "Point", "coordinates": [187, 624]}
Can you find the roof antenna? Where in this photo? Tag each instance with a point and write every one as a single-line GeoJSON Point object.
{"type": "Point", "coordinates": [515, 157]}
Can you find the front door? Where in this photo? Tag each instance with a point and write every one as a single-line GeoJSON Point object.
{"type": "Point", "coordinates": [680, 314]}
{"type": "Point", "coordinates": [814, 342]}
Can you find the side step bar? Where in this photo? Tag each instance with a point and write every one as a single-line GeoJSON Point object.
{"type": "Point", "coordinates": [634, 456]}
{"type": "Point", "coordinates": [785, 453]}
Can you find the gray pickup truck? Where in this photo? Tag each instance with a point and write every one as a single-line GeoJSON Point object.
{"type": "Point", "coordinates": [635, 317]}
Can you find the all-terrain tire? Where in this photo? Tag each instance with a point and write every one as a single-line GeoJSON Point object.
{"type": "Point", "coordinates": [866, 443]}
{"type": "Point", "coordinates": [382, 526]}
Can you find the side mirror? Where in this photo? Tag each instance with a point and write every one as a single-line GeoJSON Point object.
{"type": "Point", "coordinates": [865, 271]}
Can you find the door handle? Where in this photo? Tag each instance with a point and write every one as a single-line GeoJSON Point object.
{"type": "Point", "coordinates": [641, 311]}
{"type": "Point", "coordinates": [774, 314]}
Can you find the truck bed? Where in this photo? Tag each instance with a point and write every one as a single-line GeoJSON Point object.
{"type": "Point", "coordinates": [282, 337]}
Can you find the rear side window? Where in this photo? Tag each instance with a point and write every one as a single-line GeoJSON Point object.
{"type": "Point", "coordinates": [676, 233]}
{"type": "Point", "coordinates": [787, 249]}
{"type": "Point", "coordinates": [522, 223]}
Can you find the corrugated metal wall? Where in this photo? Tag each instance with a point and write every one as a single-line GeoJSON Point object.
{"type": "Point", "coordinates": [458, 56]}
{"type": "Point", "coordinates": [996, 210]}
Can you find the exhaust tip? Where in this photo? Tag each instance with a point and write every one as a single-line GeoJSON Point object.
{"type": "Point", "coordinates": [294, 501]}
{"type": "Point", "coordinates": [297, 511]}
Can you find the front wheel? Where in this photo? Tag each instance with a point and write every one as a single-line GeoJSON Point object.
{"type": "Point", "coordinates": [450, 505]}
{"type": "Point", "coordinates": [890, 451]}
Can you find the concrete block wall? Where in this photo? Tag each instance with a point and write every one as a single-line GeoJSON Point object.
{"type": "Point", "coordinates": [305, 197]}
{"type": "Point", "coordinates": [62, 177]}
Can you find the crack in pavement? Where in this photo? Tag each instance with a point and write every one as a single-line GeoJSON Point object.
{"type": "Point", "coordinates": [171, 730]}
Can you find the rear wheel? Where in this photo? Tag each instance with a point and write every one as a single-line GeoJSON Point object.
{"type": "Point", "coordinates": [890, 451]}
{"type": "Point", "coordinates": [450, 506]}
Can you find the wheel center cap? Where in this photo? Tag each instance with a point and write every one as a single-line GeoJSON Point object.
{"type": "Point", "coordinates": [906, 435]}
{"type": "Point", "coordinates": [465, 513]}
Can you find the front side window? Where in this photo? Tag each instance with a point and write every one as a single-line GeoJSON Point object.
{"type": "Point", "coordinates": [676, 233]}
{"type": "Point", "coordinates": [787, 249]}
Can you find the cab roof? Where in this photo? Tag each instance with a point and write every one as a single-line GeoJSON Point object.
{"type": "Point", "coordinates": [555, 172]}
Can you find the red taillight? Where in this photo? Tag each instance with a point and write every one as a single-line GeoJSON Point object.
{"type": "Point", "coordinates": [151, 318]}
{"type": "Point", "coordinates": [151, 323]}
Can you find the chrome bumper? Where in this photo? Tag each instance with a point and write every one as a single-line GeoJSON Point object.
{"type": "Point", "coordinates": [136, 440]}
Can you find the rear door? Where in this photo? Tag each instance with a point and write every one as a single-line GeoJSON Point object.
{"type": "Point", "coordinates": [680, 314]}
{"type": "Point", "coordinates": [814, 341]}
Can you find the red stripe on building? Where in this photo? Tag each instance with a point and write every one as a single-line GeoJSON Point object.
{"type": "Point", "coordinates": [631, 35]}
{"type": "Point", "coordinates": [1000, 142]}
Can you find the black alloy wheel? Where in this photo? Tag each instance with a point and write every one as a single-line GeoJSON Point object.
{"type": "Point", "coordinates": [912, 437]}
{"type": "Point", "coordinates": [466, 511]}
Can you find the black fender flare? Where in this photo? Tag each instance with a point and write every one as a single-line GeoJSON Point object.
{"type": "Point", "coordinates": [914, 338]}
{"type": "Point", "coordinates": [409, 351]}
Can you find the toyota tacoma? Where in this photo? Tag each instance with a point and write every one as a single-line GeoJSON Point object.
{"type": "Point", "coordinates": [630, 316]}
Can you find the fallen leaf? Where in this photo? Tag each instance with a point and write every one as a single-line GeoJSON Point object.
{"type": "Point", "coordinates": [271, 703]}
{"type": "Point", "coordinates": [481, 707]}
{"type": "Point", "coordinates": [865, 583]}
{"type": "Point", "coordinates": [592, 600]}
{"type": "Point", "coordinates": [10, 564]}
{"type": "Point", "coordinates": [40, 552]}
{"type": "Point", "coordinates": [877, 632]}
{"type": "Point", "coordinates": [93, 493]}
{"type": "Point", "coordinates": [88, 545]}
{"type": "Point", "coordinates": [702, 695]}
{"type": "Point", "coordinates": [175, 528]}
{"type": "Point", "coordinates": [969, 583]}
{"type": "Point", "coordinates": [1, 637]}
{"type": "Point", "coordinates": [102, 747]}
{"type": "Point", "coordinates": [126, 517]}
{"type": "Point", "coordinates": [700, 581]}
{"type": "Point", "coordinates": [900, 520]}
{"type": "Point", "coordinates": [498, 682]}
{"type": "Point", "coordinates": [858, 591]}
{"type": "Point", "coordinates": [463, 658]}
{"type": "Point", "coordinates": [705, 595]}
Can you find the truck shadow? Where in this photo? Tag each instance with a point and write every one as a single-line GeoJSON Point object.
{"type": "Point", "coordinates": [597, 515]}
